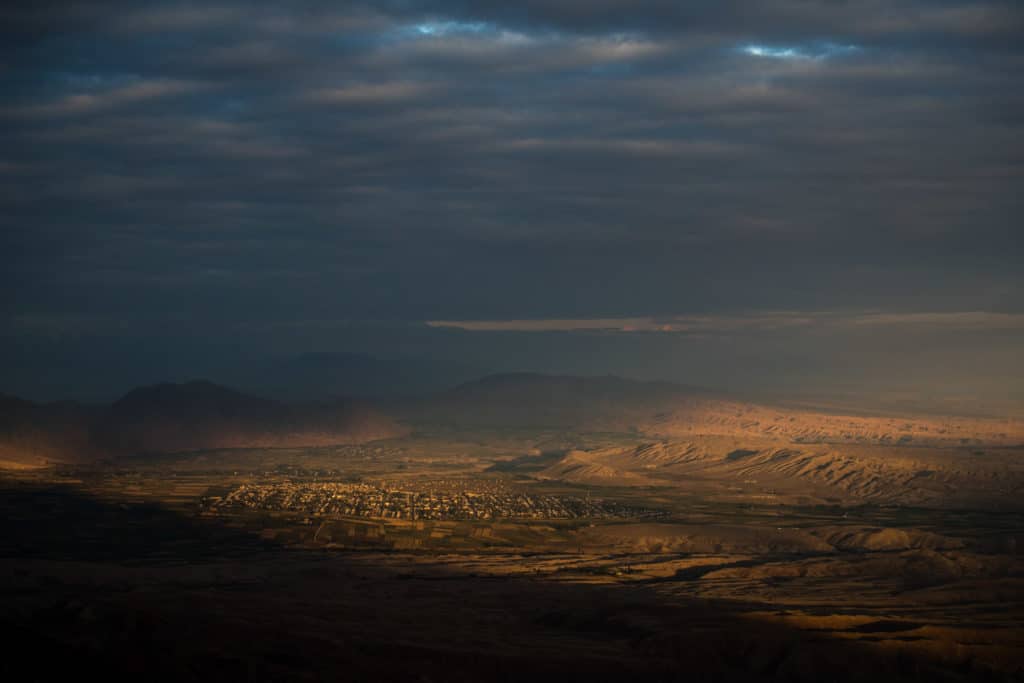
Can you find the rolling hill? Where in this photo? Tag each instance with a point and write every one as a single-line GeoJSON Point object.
{"type": "Point", "coordinates": [770, 472]}
{"type": "Point", "coordinates": [702, 442]}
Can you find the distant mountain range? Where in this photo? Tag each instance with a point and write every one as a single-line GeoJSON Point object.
{"type": "Point", "coordinates": [178, 417]}
{"type": "Point", "coordinates": [202, 415]}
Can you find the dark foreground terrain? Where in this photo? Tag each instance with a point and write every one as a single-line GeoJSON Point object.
{"type": "Point", "coordinates": [172, 568]}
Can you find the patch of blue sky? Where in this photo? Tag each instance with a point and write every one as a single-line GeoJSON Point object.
{"type": "Point", "coordinates": [440, 29]}
{"type": "Point", "coordinates": [444, 28]}
{"type": "Point", "coordinates": [814, 51]}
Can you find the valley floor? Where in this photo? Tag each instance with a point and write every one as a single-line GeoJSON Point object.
{"type": "Point", "coordinates": [133, 568]}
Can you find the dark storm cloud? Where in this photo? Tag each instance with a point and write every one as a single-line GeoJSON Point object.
{"type": "Point", "coordinates": [214, 165]}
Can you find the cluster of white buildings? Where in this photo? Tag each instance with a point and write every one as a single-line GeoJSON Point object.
{"type": "Point", "coordinates": [422, 500]}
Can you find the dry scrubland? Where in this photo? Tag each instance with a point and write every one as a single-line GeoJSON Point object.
{"type": "Point", "coordinates": [574, 539]}
{"type": "Point", "coordinates": [794, 472]}
{"type": "Point", "coordinates": [808, 426]}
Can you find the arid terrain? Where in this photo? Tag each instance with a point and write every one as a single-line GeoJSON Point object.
{"type": "Point", "coordinates": [442, 341]}
{"type": "Point", "coordinates": [573, 536]}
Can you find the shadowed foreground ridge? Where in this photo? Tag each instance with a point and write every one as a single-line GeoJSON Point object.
{"type": "Point", "coordinates": [179, 599]}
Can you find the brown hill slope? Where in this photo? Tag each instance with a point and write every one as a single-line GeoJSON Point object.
{"type": "Point", "coordinates": [768, 471]}
{"type": "Point", "coordinates": [690, 417]}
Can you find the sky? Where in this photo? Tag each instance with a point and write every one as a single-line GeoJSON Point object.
{"type": "Point", "coordinates": [807, 196]}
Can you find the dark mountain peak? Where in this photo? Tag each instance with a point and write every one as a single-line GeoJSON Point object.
{"type": "Point", "coordinates": [196, 397]}
{"type": "Point", "coordinates": [196, 388]}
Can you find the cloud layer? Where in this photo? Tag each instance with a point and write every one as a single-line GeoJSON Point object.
{"type": "Point", "coordinates": [225, 164]}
